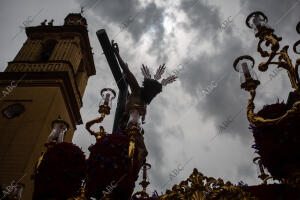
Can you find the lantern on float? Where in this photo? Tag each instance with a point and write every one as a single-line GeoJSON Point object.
{"type": "Point", "coordinates": [59, 128]}
{"type": "Point", "coordinates": [248, 78]}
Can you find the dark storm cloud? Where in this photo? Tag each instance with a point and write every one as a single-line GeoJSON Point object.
{"type": "Point", "coordinates": [131, 16]}
{"type": "Point", "coordinates": [283, 16]}
{"type": "Point", "coordinates": [278, 12]}
{"type": "Point", "coordinates": [202, 17]}
{"type": "Point", "coordinates": [224, 101]}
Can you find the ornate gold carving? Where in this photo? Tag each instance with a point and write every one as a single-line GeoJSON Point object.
{"type": "Point", "coordinates": [200, 187]}
{"type": "Point", "coordinates": [132, 132]}
{"type": "Point", "coordinates": [143, 194]}
{"type": "Point", "coordinates": [266, 35]}
{"type": "Point", "coordinates": [257, 121]}
{"type": "Point", "coordinates": [100, 133]}
{"type": "Point", "coordinates": [104, 109]}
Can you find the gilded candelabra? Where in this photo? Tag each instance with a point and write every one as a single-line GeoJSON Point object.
{"type": "Point", "coordinates": [104, 109]}
{"type": "Point", "coordinates": [59, 128]}
{"type": "Point", "coordinates": [143, 194]}
{"type": "Point", "coordinates": [107, 95]}
{"type": "Point", "coordinates": [265, 34]}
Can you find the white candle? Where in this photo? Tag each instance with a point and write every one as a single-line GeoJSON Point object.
{"type": "Point", "coordinates": [106, 101]}
{"type": "Point", "coordinates": [246, 70]}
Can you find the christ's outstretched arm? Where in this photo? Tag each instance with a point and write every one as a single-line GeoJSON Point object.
{"type": "Point", "coordinates": [131, 80]}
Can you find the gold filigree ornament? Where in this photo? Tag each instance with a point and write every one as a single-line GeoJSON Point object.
{"type": "Point", "coordinates": [265, 34]}
{"type": "Point", "coordinates": [200, 187]}
{"type": "Point", "coordinates": [104, 109]}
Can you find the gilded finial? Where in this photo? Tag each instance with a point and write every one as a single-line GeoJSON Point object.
{"type": "Point", "coordinates": [144, 183]}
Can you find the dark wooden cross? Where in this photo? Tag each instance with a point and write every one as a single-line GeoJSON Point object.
{"type": "Point", "coordinates": [118, 75]}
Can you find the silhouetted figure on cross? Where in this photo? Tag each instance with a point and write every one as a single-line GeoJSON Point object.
{"type": "Point", "coordinates": [139, 98]}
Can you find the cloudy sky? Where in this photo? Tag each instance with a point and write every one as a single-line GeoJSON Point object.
{"type": "Point", "coordinates": [201, 39]}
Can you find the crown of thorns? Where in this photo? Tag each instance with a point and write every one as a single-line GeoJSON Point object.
{"type": "Point", "coordinates": [161, 69]}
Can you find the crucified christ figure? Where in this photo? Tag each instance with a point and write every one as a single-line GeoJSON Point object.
{"type": "Point", "coordinates": [140, 97]}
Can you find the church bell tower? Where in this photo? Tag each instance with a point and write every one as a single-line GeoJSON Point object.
{"type": "Point", "coordinates": [46, 80]}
